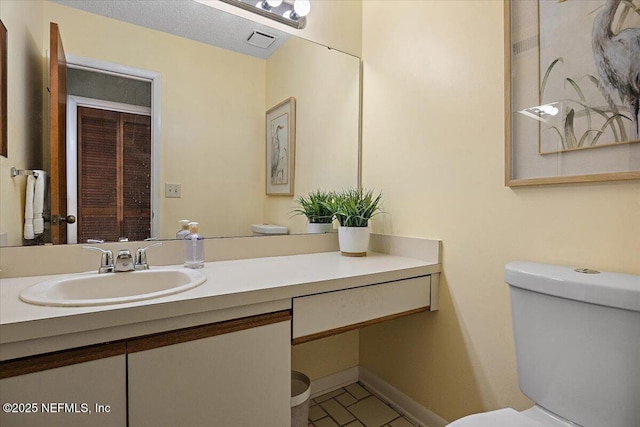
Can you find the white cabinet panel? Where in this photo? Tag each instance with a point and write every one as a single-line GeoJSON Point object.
{"type": "Point", "coordinates": [315, 314]}
{"type": "Point", "coordinates": [68, 396]}
{"type": "Point", "coordinates": [235, 379]}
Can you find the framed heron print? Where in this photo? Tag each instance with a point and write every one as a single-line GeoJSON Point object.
{"type": "Point", "coordinates": [572, 91]}
{"type": "Point", "coordinates": [281, 144]}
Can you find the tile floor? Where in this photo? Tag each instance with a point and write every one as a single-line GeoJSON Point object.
{"type": "Point", "coordinates": [353, 406]}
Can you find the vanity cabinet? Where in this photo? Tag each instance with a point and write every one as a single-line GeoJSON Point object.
{"type": "Point", "coordinates": [78, 387]}
{"type": "Point", "coordinates": [231, 373]}
{"type": "Point", "coordinates": [234, 373]}
{"type": "Point", "coordinates": [220, 355]}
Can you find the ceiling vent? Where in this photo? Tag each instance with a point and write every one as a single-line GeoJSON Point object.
{"type": "Point", "coordinates": [260, 39]}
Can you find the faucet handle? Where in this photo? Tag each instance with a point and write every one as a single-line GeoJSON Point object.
{"type": "Point", "coordinates": [141, 257]}
{"type": "Point", "coordinates": [106, 261]}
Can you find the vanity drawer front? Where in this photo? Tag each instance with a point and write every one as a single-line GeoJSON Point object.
{"type": "Point", "coordinates": [319, 315]}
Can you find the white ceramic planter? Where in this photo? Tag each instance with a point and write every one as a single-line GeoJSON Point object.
{"type": "Point", "coordinates": [353, 241]}
{"type": "Point", "coordinates": [317, 228]}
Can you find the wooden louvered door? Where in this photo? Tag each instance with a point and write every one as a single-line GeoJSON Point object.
{"type": "Point", "coordinates": [114, 184]}
{"type": "Point", "coordinates": [136, 176]}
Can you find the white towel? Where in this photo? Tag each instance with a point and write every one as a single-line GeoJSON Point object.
{"type": "Point", "coordinates": [28, 208]}
{"type": "Point", "coordinates": [38, 202]}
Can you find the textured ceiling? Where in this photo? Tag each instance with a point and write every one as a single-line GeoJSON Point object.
{"type": "Point", "coordinates": [185, 18]}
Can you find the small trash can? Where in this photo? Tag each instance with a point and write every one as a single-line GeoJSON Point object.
{"type": "Point", "coordinates": [300, 393]}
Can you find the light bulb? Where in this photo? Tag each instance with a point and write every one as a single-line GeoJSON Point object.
{"type": "Point", "coordinates": [274, 3]}
{"type": "Point", "coordinates": [302, 7]}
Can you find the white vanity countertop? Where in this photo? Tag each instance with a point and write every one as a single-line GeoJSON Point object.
{"type": "Point", "coordinates": [229, 285]}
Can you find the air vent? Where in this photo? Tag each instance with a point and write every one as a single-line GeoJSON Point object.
{"type": "Point", "coordinates": [260, 39]}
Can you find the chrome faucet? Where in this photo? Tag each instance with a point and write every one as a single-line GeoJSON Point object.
{"type": "Point", "coordinates": [124, 261]}
{"type": "Point", "coordinates": [106, 261]}
{"type": "Point", "coordinates": [141, 257]}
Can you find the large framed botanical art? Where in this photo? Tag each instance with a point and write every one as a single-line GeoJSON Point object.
{"type": "Point", "coordinates": [572, 91]}
{"type": "Point", "coordinates": [281, 146]}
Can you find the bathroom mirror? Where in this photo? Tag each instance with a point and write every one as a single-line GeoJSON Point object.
{"type": "Point", "coordinates": [212, 106]}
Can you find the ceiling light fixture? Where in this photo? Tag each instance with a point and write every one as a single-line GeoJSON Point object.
{"type": "Point", "coordinates": [289, 12]}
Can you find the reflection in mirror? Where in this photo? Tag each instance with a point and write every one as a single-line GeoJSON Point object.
{"type": "Point", "coordinates": [208, 113]}
{"type": "Point", "coordinates": [3, 90]}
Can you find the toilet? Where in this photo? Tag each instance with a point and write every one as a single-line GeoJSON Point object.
{"type": "Point", "coordinates": [268, 229]}
{"type": "Point", "coordinates": [577, 340]}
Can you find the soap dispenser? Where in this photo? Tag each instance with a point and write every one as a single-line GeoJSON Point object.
{"type": "Point", "coordinates": [184, 229]}
{"type": "Point", "coordinates": [194, 248]}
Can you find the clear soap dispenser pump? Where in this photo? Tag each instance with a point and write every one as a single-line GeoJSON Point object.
{"type": "Point", "coordinates": [184, 229]}
{"type": "Point", "coordinates": [194, 248]}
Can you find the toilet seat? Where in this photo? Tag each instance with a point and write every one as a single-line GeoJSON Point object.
{"type": "Point", "coordinates": [501, 418]}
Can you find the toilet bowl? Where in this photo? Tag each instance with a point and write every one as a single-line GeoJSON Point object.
{"type": "Point", "coordinates": [565, 324]}
{"type": "Point", "coordinates": [268, 229]}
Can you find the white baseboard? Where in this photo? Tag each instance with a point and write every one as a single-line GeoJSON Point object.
{"type": "Point", "coordinates": [334, 381]}
{"type": "Point", "coordinates": [409, 407]}
{"type": "Point", "coordinates": [403, 403]}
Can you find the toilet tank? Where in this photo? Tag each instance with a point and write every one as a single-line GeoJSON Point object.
{"type": "Point", "coordinates": [577, 339]}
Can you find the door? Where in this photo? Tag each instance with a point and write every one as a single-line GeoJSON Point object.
{"type": "Point", "coordinates": [114, 179]}
{"type": "Point", "coordinates": [77, 387]}
{"type": "Point", "coordinates": [57, 134]}
{"type": "Point", "coordinates": [230, 374]}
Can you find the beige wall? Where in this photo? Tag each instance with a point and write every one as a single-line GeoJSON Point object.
{"type": "Point", "coordinates": [433, 142]}
{"type": "Point", "coordinates": [25, 58]}
{"type": "Point", "coordinates": [326, 149]}
{"type": "Point", "coordinates": [211, 148]}
{"type": "Point", "coordinates": [326, 356]}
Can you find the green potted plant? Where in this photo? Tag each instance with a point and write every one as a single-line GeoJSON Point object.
{"type": "Point", "coordinates": [353, 209]}
{"type": "Point", "coordinates": [315, 208]}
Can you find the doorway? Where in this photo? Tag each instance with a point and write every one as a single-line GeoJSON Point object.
{"type": "Point", "coordinates": [128, 175]}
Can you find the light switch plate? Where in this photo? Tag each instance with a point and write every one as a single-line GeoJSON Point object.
{"type": "Point", "coordinates": [172, 190]}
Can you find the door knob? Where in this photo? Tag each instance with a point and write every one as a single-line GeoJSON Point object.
{"type": "Point", "coordinates": [57, 219]}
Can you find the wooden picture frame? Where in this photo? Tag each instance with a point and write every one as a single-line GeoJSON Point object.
{"type": "Point", "coordinates": [3, 90]}
{"type": "Point", "coordinates": [280, 148]}
{"type": "Point", "coordinates": [562, 123]}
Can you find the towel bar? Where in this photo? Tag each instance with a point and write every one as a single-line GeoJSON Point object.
{"type": "Point", "coordinates": [15, 172]}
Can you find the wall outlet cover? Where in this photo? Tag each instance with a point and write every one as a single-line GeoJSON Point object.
{"type": "Point", "coordinates": [172, 190]}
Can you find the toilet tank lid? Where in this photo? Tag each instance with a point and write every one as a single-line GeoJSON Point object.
{"type": "Point", "coordinates": [269, 229]}
{"type": "Point", "coordinates": [617, 290]}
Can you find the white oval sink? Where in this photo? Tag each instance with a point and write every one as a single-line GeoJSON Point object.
{"type": "Point", "coordinates": [86, 289]}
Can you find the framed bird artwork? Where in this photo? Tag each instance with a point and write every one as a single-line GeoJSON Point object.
{"type": "Point", "coordinates": [572, 91]}
{"type": "Point", "coordinates": [280, 148]}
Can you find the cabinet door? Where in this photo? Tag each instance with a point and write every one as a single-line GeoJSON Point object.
{"type": "Point", "coordinates": [89, 393]}
{"type": "Point", "coordinates": [232, 379]}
